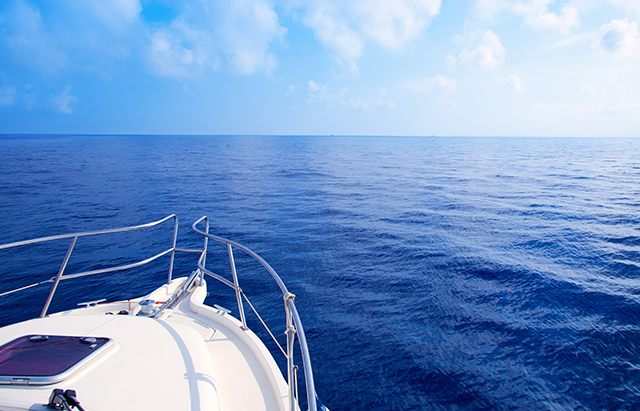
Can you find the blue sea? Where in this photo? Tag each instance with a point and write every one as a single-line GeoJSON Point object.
{"type": "Point", "coordinates": [430, 273]}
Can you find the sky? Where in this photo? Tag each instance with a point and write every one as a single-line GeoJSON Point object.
{"type": "Point", "coordinates": [320, 67]}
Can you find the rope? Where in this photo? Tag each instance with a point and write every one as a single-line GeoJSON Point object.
{"type": "Point", "coordinates": [263, 323]}
{"type": "Point", "coordinates": [50, 280]}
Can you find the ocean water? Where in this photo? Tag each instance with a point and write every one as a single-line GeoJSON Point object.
{"type": "Point", "coordinates": [430, 273]}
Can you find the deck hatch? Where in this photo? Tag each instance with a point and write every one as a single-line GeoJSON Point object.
{"type": "Point", "coordinates": [47, 359]}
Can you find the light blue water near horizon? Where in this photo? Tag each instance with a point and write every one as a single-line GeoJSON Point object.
{"type": "Point", "coordinates": [431, 273]}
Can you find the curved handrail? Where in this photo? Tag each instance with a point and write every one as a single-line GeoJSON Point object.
{"type": "Point", "coordinates": [60, 276]}
{"type": "Point", "coordinates": [239, 246]}
{"type": "Point", "coordinates": [294, 324]}
{"type": "Point", "coordinates": [88, 233]}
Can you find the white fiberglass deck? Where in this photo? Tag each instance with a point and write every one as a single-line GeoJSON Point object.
{"type": "Point", "coordinates": [193, 357]}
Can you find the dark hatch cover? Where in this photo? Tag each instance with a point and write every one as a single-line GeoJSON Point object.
{"type": "Point", "coordinates": [42, 359]}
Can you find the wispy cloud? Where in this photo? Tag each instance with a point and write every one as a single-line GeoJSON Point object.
{"type": "Point", "coordinates": [67, 36]}
{"type": "Point", "coordinates": [630, 6]}
{"type": "Point", "coordinates": [290, 90]}
{"type": "Point", "coordinates": [513, 80]}
{"type": "Point", "coordinates": [116, 10]}
{"type": "Point", "coordinates": [535, 13]}
{"type": "Point", "coordinates": [488, 54]}
{"type": "Point", "coordinates": [393, 23]}
{"type": "Point", "coordinates": [62, 101]}
{"type": "Point", "coordinates": [345, 27]}
{"type": "Point", "coordinates": [7, 95]}
{"type": "Point", "coordinates": [180, 51]}
{"type": "Point", "coordinates": [27, 38]}
{"type": "Point", "coordinates": [428, 85]}
{"type": "Point", "coordinates": [205, 35]}
{"type": "Point", "coordinates": [379, 102]}
{"type": "Point", "coordinates": [575, 39]}
{"type": "Point", "coordinates": [345, 43]}
{"type": "Point", "coordinates": [246, 30]}
{"type": "Point", "coordinates": [322, 93]}
{"type": "Point", "coordinates": [619, 38]}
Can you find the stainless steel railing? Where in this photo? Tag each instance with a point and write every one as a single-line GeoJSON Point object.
{"type": "Point", "coordinates": [74, 238]}
{"type": "Point", "coordinates": [293, 323]}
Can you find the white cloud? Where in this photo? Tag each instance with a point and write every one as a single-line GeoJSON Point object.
{"type": "Point", "coordinates": [246, 29]}
{"type": "Point", "coordinates": [513, 80]}
{"type": "Point", "coordinates": [241, 31]}
{"type": "Point", "coordinates": [379, 102]}
{"type": "Point", "coordinates": [393, 23]}
{"type": "Point", "coordinates": [128, 8]}
{"type": "Point", "coordinates": [575, 39]}
{"type": "Point", "coordinates": [238, 34]}
{"type": "Point", "coordinates": [535, 13]}
{"type": "Point", "coordinates": [321, 93]}
{"type": "Point", "coordinates": [488, 54]}
{"type": "Point", "coordinates": [516, 81]}
{"type": "Point", "coordinates": [62, 102]}
{"type": "Point", "coordinates": [619, 38]}
{"type": "Point", "coordinates": [346, 43]}
{"type": "Point", "coordinates": [28, 39]}
{"type": "Point", "coordinates": [7, 95]}
{"type": "Point", "coordinates": [290, 90]}
{"type": "Point", "coordinates": [344, 27]}
{"type": "Point", "coordinates": [70, 35]}
{"type": "Point", "coordinates": [179, 51]}
{"type": "Point", "coordinates": [632, 6]}
{"type": "Point", "coordinates": [450, 61]}
{"type": "Point", "coordinates": [431, 84]}
{"type": "Point", "coordinates": [116, 9]}
{"type": "Point", "coordinates": [488, 8]}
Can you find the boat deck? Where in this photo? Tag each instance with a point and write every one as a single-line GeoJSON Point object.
{"type": "Point", "coordinates": [193, 357]}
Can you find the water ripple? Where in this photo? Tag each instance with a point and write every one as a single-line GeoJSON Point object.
{"type": "Point", "coordinates": [432, 273]}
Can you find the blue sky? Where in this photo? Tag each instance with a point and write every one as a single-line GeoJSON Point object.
{"type": "Point", "coordinates": [357, 67]}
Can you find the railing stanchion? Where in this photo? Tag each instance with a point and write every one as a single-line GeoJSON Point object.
{"type": "Point", "coordinates": [237, 287]}
{"type": "Point", "coordinates": [204, 253]}
{"type": "Point", "coordinates": [291, 331]}
{"type": "Point", "coordinates": [294, 325]}
{"type": "Point", "coordinates": [57, 280]}
{"type": "Point", "coordinates": [306, 360]}
{"type": "Point", "coordinates": [173, 248]}
{"type": "Point", "coordinates": [74, 238]}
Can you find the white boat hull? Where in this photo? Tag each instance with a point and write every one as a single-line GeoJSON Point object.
{"type": "Point", "coordinates": [193, 357]}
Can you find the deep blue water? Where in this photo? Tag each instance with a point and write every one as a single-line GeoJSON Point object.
{"type": "Point", "coordinates": [431, 273]}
